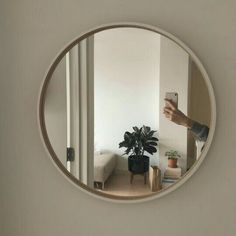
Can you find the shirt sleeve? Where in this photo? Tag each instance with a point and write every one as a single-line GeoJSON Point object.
{"type": "Point", "coordinates": [200, 131]}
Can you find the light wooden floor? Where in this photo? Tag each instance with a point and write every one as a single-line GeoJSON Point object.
{"type": "Point", "coordinates": [119, 185]}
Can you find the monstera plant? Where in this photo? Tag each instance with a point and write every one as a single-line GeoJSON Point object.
{"type": "Point", "coordinates": [138, 142]}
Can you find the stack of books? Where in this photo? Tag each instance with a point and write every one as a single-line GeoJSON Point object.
{"type": "Point", "coordinates": [171, 175]}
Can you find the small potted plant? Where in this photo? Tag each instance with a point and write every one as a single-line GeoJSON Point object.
{"type": "Point", "coordinates": [138, 142]}
{"type": "Point", "coordinates": [172, 158]}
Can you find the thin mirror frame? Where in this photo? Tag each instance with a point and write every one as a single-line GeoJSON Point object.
{"type": "Point", "coordinates": [62, 168]}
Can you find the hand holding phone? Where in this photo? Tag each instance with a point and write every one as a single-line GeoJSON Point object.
{"type": "Point", "coordinates": [172, 112]}
{"type": "Point", "coordinates": [173, 97]}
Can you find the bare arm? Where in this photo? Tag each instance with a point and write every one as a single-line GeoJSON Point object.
{"type": "Point", "coordinates": [173, 114]}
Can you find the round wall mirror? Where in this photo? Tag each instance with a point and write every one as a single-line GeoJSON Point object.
{"type": "Point", "coordinates": [127, 112]}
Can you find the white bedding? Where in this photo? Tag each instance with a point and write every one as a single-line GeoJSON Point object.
{"type": "Point", "coordinates": [104, 164]}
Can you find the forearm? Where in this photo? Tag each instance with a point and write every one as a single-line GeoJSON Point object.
{"type": "Point", "coordinates": [201, 131]}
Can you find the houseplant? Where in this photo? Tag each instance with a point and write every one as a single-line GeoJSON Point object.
{"type": "Point", "coordinates": [138, 142]}
{"type": "Point", "coordinates": [172, 158]}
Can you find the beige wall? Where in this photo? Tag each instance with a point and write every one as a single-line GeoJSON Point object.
{"type": "Point", "coordinates": [126, 79]}
{"type": "Point", "coordinates": [35, 198]}
{"type": "Point", "coordinates": [172, 136]}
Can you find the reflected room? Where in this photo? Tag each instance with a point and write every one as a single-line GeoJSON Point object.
{"type": "Point", "coordinates": [127, 112]}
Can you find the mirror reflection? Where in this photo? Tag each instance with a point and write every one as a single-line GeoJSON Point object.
{"type": "Point", "coordinates": [127, 112]}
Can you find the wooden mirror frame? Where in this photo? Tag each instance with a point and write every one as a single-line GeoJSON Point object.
{"type": "Point", "coordinates": [62, 168]}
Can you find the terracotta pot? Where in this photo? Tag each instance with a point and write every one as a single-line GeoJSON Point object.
{"type": "Point", "coordinates": [172, 163]}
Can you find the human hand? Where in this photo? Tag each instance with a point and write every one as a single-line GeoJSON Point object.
{"type": "Point", "coordinates": [173, 114]}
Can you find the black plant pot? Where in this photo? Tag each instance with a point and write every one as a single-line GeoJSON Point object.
{"type": "Point", "coordinates": [138, 164]}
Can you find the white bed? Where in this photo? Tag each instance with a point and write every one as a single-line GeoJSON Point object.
{"type": "Point", "coordinates": [104, 164]}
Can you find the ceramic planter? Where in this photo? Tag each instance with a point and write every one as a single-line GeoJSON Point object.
{"type": "Point", "coordinates": [138, 164]}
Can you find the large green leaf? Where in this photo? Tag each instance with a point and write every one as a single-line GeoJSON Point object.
{"type": "Point", "coordinates": [146, 129]}
{"type": "Point", "coordinates": [123, 144]}
{"type": "Point", "coordinates": [151, 143]}
{"type": "Point", "coordinates": [150, 149]}
{"type": "Point", "coordinates": [136, 129]}
{"type": "Point", "coordinates": [150, 134]}
{"type": "Point", "coordinates": [127, 135]}
{"type": "Point", "coordinates": [154, 139]}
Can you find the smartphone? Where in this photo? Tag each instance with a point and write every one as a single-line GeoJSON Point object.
{"type": "Point", "coordinates": [173, 96]}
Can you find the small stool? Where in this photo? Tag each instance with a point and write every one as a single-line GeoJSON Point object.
{"type": "Point", "coordinates": [133, 174]}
